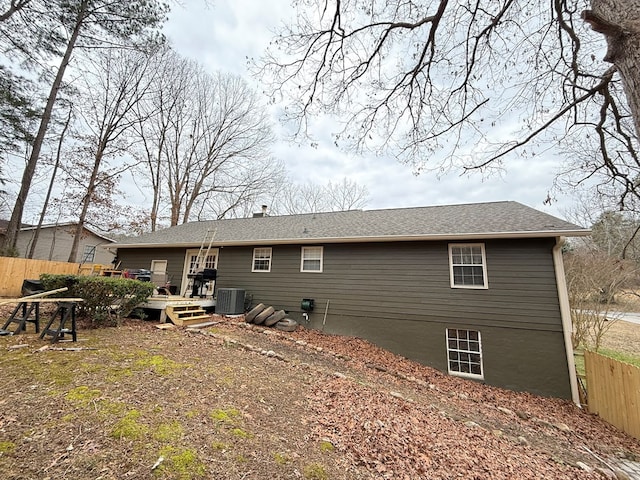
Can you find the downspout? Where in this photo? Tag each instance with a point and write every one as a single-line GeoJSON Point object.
{"type": "Point", "coordinates": [565, 314]}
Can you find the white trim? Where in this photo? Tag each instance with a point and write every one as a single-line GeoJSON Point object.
{"type": "Point", "coordinates": [253, 260]}
{"type": "Point", "coordinates": [485, 280]}
{"type": "Point", "coordinates": [565, 314]}
{"type": "Point", "coordinates": [472, 352]}
{"type": "Point", "coordinates": [302, 259]}
{"type": "Point", "coordinates": [156, 263]}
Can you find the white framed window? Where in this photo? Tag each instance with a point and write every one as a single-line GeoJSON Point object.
{"type": "Point", "coordinates": [467, 264]}
{"type": "Point", "coordinates": [311, 259]}
{"type": "Point", "coordinates": [89, 254]}
{"type": "Point", "coordinates": [464, 353]}
{"type": "Point", "coordinates": [261, 260]}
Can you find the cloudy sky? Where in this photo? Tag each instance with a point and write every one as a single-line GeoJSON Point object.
{"type": "Point", "coordinates": [222, 35]}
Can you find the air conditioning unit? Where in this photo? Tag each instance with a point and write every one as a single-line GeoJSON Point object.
{"type": "Point", "coordinates": [230, 301]}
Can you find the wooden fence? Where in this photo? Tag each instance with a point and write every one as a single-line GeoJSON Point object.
{"type": "Point", "coordinates": [613, 392]}
{"type": "Point", "coordinates": [14, 270]}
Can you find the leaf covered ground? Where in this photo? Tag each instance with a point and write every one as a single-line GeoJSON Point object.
{"type": "Point", "coordinates": [240, 402]}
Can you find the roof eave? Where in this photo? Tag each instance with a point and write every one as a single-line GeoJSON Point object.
{"type": "Point", "coordinates": [373, 239]}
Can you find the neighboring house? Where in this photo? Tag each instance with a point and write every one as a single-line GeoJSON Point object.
{"type": "Point", "coordinates": [474, 290]}
{"type": "Point", "coordinates": [55, 241]}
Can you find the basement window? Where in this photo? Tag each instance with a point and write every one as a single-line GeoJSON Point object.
{"type": "Point", "coordinates": [261, 260]}
{"type": "Point", "coordinates": [311, 259]}
{"type": "Point", "coordinates": [467, 263]}
{"type": "Point", "coordinates": [464, 353]}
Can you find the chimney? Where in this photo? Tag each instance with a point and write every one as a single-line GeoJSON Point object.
{"type": "Point", "coordinates": [261, 214]}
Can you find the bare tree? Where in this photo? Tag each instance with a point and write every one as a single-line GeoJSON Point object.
{"type": "Point", "coordinates": [52, 183]}
{"type": "Point", "coordinates": [205, 147]}
{"type": "Point", "coordinates": [312, 197]}
{"type": "Point", "coordinates": [115, 81]}
{"type": "Point", "coordinates": [346, 195]}
{"type": "Point", "coordinates": [84, 23]}
{"type": "Point", "coordinates": [468, 83]}
{"type": "Point", "coordinates": [156, 114]}
{"type": "Point", "coordinates": [594, 280]}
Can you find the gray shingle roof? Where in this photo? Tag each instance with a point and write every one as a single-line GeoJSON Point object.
{"type": "Point", "coordinates": [478, 220]}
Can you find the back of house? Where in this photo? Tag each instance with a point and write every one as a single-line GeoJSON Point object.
{"type": "Point", "coordinates": [473, 290]}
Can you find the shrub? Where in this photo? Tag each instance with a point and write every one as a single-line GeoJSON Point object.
{"type": "Point", "coordinates": [106, 300]}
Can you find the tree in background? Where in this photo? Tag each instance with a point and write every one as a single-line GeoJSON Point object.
{"type": "Point", "coordinates": [313, 198]}
{"type": "Point", "coordinates": [204, 142]}
{"type": "Point", "coordinates": [594, 279]}
{"type": "Point", "coordinates": [42, 31]}
{"type": "Point", "coordinates": [469, 83]}
{"type": "Point", "coordinates": [114, 82]}
{"type": "Point", "coordinates": [616, 234]}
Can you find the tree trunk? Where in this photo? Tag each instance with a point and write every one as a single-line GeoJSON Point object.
{"type": "Point", "coordinates": [619, 22]}
{"type": "Point", "coordinates": [14, 7]}
{"type": "Point", "coordinates": [43, 213]}
{"type": "Point", "coordinates": [86, 201]}
{"type": "Point", "coordinates": [11, 236]}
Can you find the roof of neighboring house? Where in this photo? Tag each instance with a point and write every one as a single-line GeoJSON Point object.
{"type": "Point", "coordinates": [26, 228]}
{"type": "Point", "coordinates": [5, 223]}
{"type": "Point", "coordinates": [448, 222]}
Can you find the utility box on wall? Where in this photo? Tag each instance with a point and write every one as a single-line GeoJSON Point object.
{"type": "Point", "coordinates": [230, 301]}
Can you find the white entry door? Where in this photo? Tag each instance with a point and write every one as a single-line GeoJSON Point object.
{"type": "Point", "coordinates": [191, 266]}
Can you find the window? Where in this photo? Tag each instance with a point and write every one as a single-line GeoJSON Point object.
{"type": "Point", "coordinates": [89, 254]}
{"type": "Point", "coordinates": [261, 260]}
{"type": "Point", "coordinates": [311, 259]}
{"type": "Point", "coordinates": [467, 264]}
{"type": "Point", "coordinates": [464, 353]}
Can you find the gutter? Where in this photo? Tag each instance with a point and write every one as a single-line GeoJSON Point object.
{"type": "Point", "coordinates": [364, 239]}
{"type": "Point", "coordinates": [565, 314]}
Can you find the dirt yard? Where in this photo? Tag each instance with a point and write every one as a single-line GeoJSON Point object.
{"type": "Point", "coordinates": [236, 402]}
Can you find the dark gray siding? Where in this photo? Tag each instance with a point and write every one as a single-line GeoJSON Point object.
{"type": "Point", "coordinates": [132, 258]}
{"type": "Point", "coordinates": [398, 296]}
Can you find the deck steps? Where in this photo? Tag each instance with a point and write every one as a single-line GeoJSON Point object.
{"type": "Point", "coordinates": [186, 314]}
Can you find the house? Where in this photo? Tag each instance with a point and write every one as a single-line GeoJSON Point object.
{"type": "Point", "coordinates": [474, 290]}
{"type": "Point", "coordinates": [55, 241]}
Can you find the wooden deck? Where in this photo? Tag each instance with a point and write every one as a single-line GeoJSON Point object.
{"type": "Point", "coordinates": [161, 302]}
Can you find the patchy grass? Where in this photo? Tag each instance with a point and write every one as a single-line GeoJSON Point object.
{"type": "Point", "coordinates": [159, 405]}
{"type": "Point", "coordinates": [621, 356]}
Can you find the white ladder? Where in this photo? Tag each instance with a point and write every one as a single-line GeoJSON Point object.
{"type": "Point", "coordinates": [205, 248]}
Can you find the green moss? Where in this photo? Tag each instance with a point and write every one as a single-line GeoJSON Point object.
{"type": "Point", "coordinates": [158, 363]}
{"type": "Point", "coordinates": [184, 463]}
{"type": "Point", "coordinates": [83, 395]}
{"type": "Point", "coordinates": [129, 428]}
{"type": "Point", "coordinates": [281, 459]}
{"type": "Point", "coordinates": [168, 432]}
{"type": "Point", "coordinates": [219, 446]}
{"type": "Point", "coordinates": [228, 416]}
{"type": "Point", "coordinates": [191, 414]}
{"type": "Point", "coordinates": [240, 433]}
{"type": "Point", "coordinates": [115, 374]}
{"type": "Point", "coordinates": [110, 408]}
{"type": "Point", "coordinates": [314, 471]}
{"type": "Point", "coordinates": [7, 447]}
{"type": "Point", "coordinates": [326, 446]}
